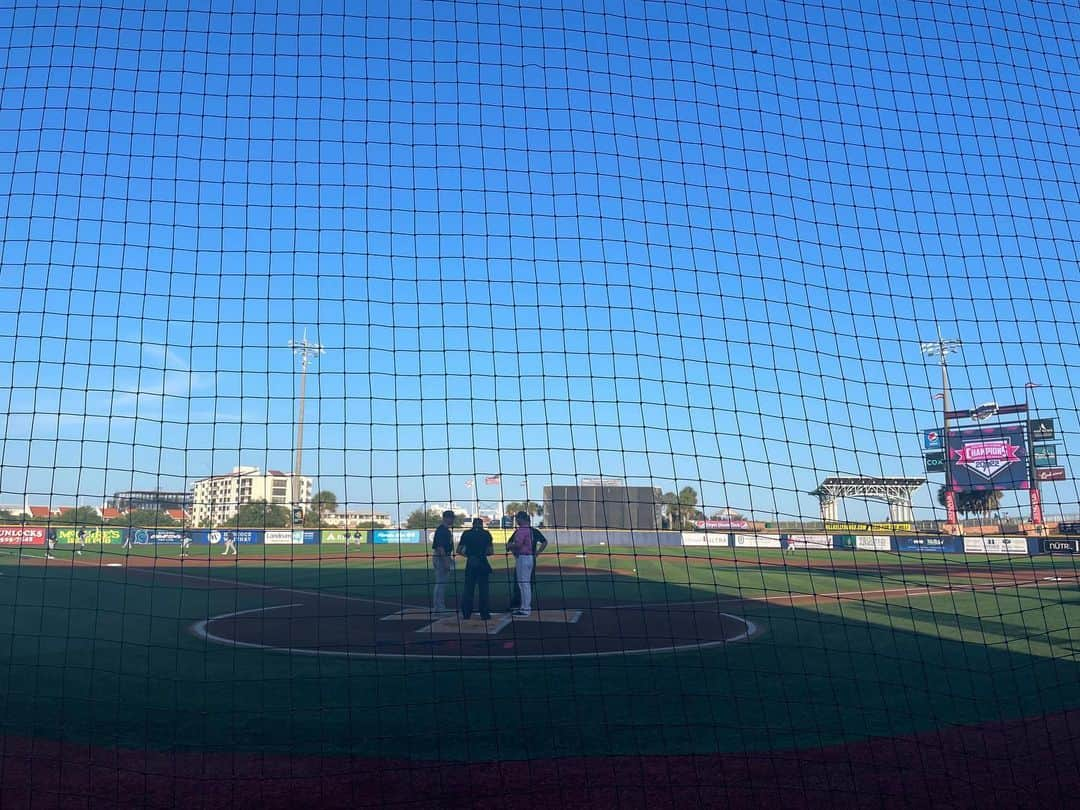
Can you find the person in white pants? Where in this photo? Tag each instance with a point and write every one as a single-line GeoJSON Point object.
{"type": "Point", "coordinates": [442, 560]}
{"type": "Point", "coordinates": [230, 544]}
{"type": "Point", "coordinates": [523, 545]}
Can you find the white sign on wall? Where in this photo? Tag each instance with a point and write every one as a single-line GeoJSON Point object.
{"type": "Point", "coordinates": [873, 542]}
{"type": "Point", "coordinates": [811, 542]}
{"type": "Point", "coordinates": [757, 540]}
{"type": "Point", "coordinates": [704, 539]}
{"type": "Point", "coordinates": [995, 545]}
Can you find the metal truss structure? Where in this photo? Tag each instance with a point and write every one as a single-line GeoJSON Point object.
{"type": "Point", "coordinates": [896, 492]}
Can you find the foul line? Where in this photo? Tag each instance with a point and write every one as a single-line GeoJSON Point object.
{"type": "Point", "coordinates": [910, 590]}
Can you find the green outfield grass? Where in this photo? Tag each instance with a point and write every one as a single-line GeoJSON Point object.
{"type": "Point", "coordinates": [103, 655]}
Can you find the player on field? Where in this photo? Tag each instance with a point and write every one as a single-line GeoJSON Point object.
{"type": "Point", "coordinates": [525, 543]}
{"type": "Point", "coordinates": [442, 560]}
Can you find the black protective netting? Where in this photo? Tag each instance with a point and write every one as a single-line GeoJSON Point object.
{"type": "Point", "coordinates": [747, 332]}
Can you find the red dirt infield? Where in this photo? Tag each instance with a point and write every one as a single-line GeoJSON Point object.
{"type": "Point", "coordinates": [307, 624]}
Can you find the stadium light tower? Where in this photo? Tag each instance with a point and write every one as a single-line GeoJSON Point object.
{"type": "Point", "coordinates": [305, 350]}
{"type": "Point", "coordinates": [942, 348]}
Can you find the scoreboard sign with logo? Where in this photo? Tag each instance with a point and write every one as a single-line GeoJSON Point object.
{"type": "Point", "coordinates": [1045, 455]}
{"type": "Point", "coordinates": [988, 458]}
{"type": "Point", "coordinates": [1042, 430]}
{"type": "Point", "coordinates": [933, 439]}
{"type": "Point", "coordinates": [1050, 474]}
{"type": "Point", "coordinates": [935, 462]}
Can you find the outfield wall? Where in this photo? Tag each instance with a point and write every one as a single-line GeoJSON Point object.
{"type": "Point", "coordinates": [417, 539]}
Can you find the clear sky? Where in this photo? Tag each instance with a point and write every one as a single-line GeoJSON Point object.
{"type": "Point", "coordinates": [686, 244]}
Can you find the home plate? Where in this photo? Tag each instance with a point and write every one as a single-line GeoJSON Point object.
{"type": "Point", "coordinates": [552, 616]}
{"type": "Point", "coordinates": [455, 625]}
{"type": "Point", "coordinates": [416, 614]}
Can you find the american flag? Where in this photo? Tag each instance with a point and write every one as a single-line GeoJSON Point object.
{"type": "Point", "coordinates": [493, 479]}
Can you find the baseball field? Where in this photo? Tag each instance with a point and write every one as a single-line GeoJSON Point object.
{"type": "Point", "coordinates": [318, 673]}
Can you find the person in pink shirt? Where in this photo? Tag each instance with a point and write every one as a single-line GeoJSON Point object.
{"type": "Point", "coordinates": [525, 543]}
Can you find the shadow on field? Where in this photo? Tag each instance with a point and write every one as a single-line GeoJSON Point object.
{"type": "Point", "coordinates": [103, 656]}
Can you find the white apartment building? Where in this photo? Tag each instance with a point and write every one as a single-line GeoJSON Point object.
{"type": "Point", "coordinates": [216, 499]}
{"type": "Point", "coordinates": [357, 518]}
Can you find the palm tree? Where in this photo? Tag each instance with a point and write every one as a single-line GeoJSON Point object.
{"type": "Point", "coordinates": [680, 508]}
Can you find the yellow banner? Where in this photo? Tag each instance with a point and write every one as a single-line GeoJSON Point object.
{"type": "Point", "coordinates": [869, 527]}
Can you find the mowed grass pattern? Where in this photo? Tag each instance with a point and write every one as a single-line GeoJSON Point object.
{"type": "Point", "coordinates": [104, 655]}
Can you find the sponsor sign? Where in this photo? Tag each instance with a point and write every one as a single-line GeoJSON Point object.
{"type": "Point", "coordinates": [704, 539]}
{"type": "Point", "coordinates": [383, 536]}
{"type": "Point", "coordinates": [725, 525]}
{"type": "Point", "coordinates": [933, 439]}
{"type": "Point", "coordinates": [1051, 474]}
{"type": "Point", "coordinates": [810, 542]}
{"type": "Point", "coordinates": [290, 537]}
{"type": "Point", "coordinates": [873, 542]}
{"type": "Point", "coordinates": [1055, 545]}
{"type": "Point", "coordinates": [988, 458]}
{"type": "Point", "coordinates": [755, 540]}
{"type": "Point", "coordinates": [1069, 527]}
{"type": "Point", "coordinates": [22, 535]}
{"type": "Point", "coordinates": [215, 537]}
{"type": "Point", "coordinates": [157, 537]}
{"type": "Point", "coordinates": [94, 536]}
{"type": "Point", "coordinates": [1041, 429]}
{"type": "Point", "coordinates": [1045, 455]}
{"type": "Point", "coordinates": [935, 462]}
{"type": "Point", "coordinates": [933, 542]}
{"type": "Point", "coordinates": [343, 536]}
{"type": "Point", "coordinates": [995, 545]}
{"type": "Point", "coordinates": [883, 528]}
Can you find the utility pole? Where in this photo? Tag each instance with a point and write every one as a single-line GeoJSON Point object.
{"type": "Point", "coordinates": [305, 350]}
{"type": "Point", "coordinates": [942, 348]}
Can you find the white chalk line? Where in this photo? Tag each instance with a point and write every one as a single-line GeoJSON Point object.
{"type": "Point", "coordinates": [201, 630]}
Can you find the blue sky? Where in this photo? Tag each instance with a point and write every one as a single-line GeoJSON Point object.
{"type": "Point", "coordinates": [688, 244]}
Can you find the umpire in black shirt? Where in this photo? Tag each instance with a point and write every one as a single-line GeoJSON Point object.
{"type": "Point", "coordinates": [476, 544]}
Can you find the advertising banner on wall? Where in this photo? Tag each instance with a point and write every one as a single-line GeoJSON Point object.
{"type": "Point", "coordinates": [384, 536]}
{"type": "Point", "coordinates": [755, 540]}
{"type": "Point", "coordinates": [290, 537]}
{"type": "Point", "coordinates": [705, 539]}
{"type": "Point", "coordinates": [22, 535]}
{"type": "Point", "coordinates": [343, 536]}
{"type": "Point", "coordinates": [996, 545]}
{"type": "Point", "coordinates": [91, 536]}
{"type": "Point", "coordinates": [988, 458]}
{"type": "Point", "coordinates": [215, 537]}
{"type": "Point", "coordinates": [873, 542]}
{"type": "Point", "coordinates": [932, 542]}
{"type": "Point", "coordinates": [810, 542]}
{"type": "Point", "coordinates": [836, 527]}
{"type": "Point", "coordinates": [157, 537]}
{"type": "Point", "coordinates": [723, 525]}
{"type": "Point", "coordinates": [1059, 545]}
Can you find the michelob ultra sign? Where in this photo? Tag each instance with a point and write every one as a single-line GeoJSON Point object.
{"type": "Point", "coordinates": [988, 458]}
